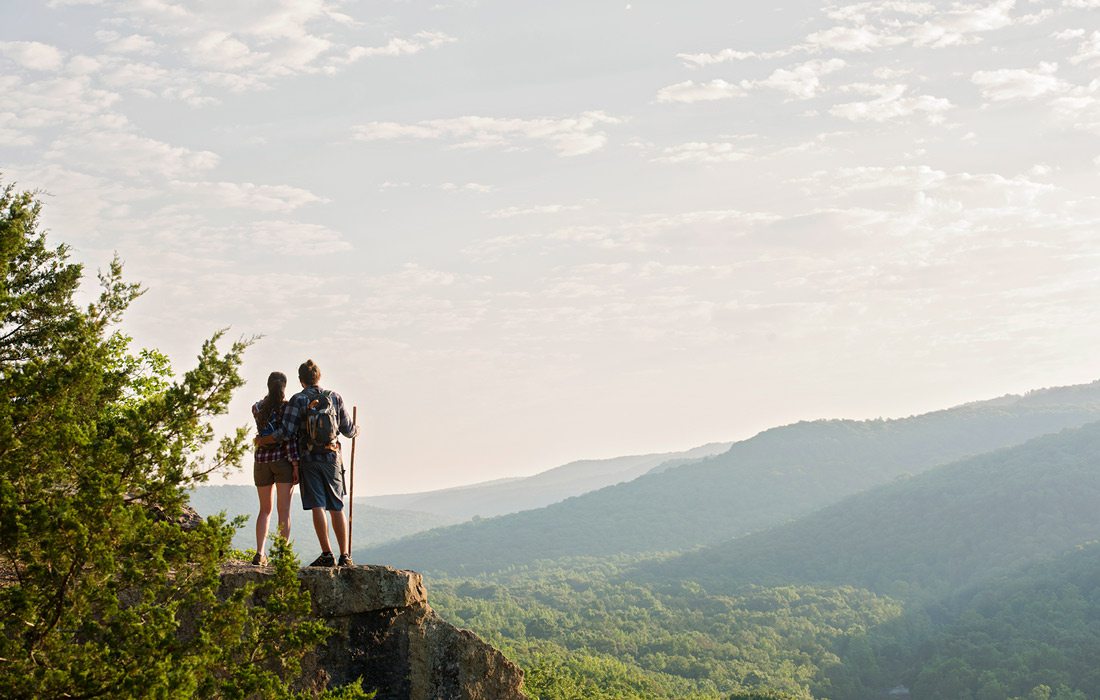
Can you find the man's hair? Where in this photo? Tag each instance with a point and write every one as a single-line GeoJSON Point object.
{"type": "Point", "coordinates": [309, 372]}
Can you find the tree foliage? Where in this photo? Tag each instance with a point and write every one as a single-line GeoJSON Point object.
{"type": "Point", "coordinates": [104, 594]}
{"type": "Point", "coordinates": [579, 625]}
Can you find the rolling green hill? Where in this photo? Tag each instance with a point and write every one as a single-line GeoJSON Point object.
{"type": "Point", "coordinates": [927, 535]}
{"type": "Point", "coordinates": [970, 580]}
{"type": "Point", "coordinates": [1024, 633]}
{"type": "Point", "coordinates": [778, 475]}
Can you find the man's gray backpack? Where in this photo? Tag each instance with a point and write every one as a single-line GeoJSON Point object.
{"type": "Point", "coordinates": [321, 423]}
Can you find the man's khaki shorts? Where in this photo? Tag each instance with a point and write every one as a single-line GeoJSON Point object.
{"type": "Point", "coordinates": [268, 473]}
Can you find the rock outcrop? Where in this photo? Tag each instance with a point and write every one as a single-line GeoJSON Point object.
{"type": "Point", "coordinates": [387, 634]}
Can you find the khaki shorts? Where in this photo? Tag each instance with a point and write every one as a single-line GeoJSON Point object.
{"type": "Point", "coordinates": [268, 473]}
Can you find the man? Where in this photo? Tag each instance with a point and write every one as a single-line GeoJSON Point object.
{"type": "Point", "coordinates": [313, 417]}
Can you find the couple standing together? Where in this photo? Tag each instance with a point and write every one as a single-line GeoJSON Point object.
{"type": "Point", "coordinates": [298, 443]}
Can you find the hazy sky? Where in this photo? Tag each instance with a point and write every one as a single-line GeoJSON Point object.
{"type": "Point", "coordinates": [518, 233]}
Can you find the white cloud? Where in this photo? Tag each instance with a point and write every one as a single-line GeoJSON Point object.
{"type": "Point", "coordinates": [710, 59]}
{"type": "Point", "coordinates": [134, 43]}
{"type": "Point", "coordinates": [1089, 50]}
{"type": "Point", "coordinates": [510, 212]}
{"type": "Point", "coordinates": [57, 102]}
{"type": "Point", "coordinates": [862, 11]}
{"type": "Point", "coordinates": [1018, 83]}
{"type": "Point", "coordinates": [893, 104]}
{"type": "Point", "coordinates": [124, 153]}
{"type": "Point", "coordinates": [691, 91]}
{"type": "Point", "coordinates": [136, 75]}
{"type": "Point", "coordinates": [888, 73]}
{"type": "Point", "coordinates": [476, 187]}
{"type": "Point", "coordinates": [958, 25]}
{"type": "Point", "coordinates": [10, 134]}
{"type": "Point", "coordinates": [569, 136]}
{"type": "Point", "coordinates": [466, 187]}
{"type": "Point", "coordinates": [991, 191]}
{"type": "Point", "coordinates": [246, 46]}
{"type": "Point", "coordinates": [803, 80]}
{"type": "Point", "coordinates": [1068, 34]}
{"type": "Point", "coordinates": [871, 26]}
{"type": "Point", "coordinates": [222, 51]}
{"type": "Point", "coordinates": [702, 152]}
{"type": "Point", "coordinates": [33, 55]}
{"type": "Point", "coordinates": [81, 65]}
{"type": "Point", "coordinates": [396, 46]}
{"type": "Point", "coordinates": [1082, 3]}
{"type": "Point", "coordinates": [294, 238]}
{"type": "Point", "coordinates": [246, 195]}
{"type": "Point", "coordinates": [700, 60]}
{"type": "Point", "coordinates": [858, 39]}
{"type": "Point", "coordinates": [1079, 108]}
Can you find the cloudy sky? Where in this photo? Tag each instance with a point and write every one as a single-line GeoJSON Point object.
{"type": "Point", "coordinates": [517, 233]}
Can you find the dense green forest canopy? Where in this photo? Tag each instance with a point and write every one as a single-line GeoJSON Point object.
{"type": "Point", "coordinates": [579, 620]}
{"type": "Point", "coordinates": [1022, 632]}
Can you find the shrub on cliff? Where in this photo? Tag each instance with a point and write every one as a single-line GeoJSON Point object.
{"type": "Point", "coordinates": [102, 593]}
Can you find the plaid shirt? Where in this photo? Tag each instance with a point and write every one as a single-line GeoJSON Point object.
{"type": "Point", "coordinates": [296, 408]}
{"type": "Point", "coordinates": [287, 449]}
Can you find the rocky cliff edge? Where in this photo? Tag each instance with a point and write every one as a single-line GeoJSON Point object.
{"type": "Point", "coordinates": [387, 634]}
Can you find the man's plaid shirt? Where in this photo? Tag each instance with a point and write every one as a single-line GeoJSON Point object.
{"type": "Point", "coordinates": [287, 449]}
{"type": "Point", "coordinates": [296, 409]}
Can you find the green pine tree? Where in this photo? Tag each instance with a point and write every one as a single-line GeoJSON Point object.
{"type": "Point", "coordinates": [102, 593]}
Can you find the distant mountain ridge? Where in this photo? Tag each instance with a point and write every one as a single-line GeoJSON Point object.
{"type": "Point", "coordinates": [925, 536]}
{"type": "Point", "coordinates": [510, 495]}
{"type": "Point", "coordinates": [777, 475]}
{"type": "Point", "coordinates": [372, 525]}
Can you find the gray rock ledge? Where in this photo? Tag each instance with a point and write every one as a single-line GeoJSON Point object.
{"type": "Point", "coordinates": [387, 634]}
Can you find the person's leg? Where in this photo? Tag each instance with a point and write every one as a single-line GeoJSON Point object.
{"type": "Point", "coordinates": [284, 493]}
{"type": "Point", "coordinates": [263, 519]}
{"type": "Point", "coordinates": [340, 529]}
{"type": "Point", "coordinates": [321, 528]}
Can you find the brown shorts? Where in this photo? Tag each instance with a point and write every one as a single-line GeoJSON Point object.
{"type": "Point", "coordinates": [268, 473]}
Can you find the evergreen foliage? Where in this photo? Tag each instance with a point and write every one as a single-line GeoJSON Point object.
{"type": "Point", "coordinates": [103, 593]}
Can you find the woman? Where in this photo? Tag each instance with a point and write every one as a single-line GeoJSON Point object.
{"type": "Point", "coordinates": [275, 464]}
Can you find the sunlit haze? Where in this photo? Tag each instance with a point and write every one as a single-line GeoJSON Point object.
{"type": "Point", "coordinates": [520, 233]}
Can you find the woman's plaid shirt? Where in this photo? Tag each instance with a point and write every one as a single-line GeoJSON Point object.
{"type": "Point", "coordinates": [287, 449]}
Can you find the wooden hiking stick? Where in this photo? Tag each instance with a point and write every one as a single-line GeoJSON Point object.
{"type": "Point", "coordinates": [351, 495]}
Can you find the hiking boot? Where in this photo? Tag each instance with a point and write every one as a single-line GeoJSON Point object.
{"type": "Point", "coordinates": [259, 560]}
{"type": "Point", "coordinates": [324, 560]}
{"type": "Point", "coordinates": [345, 560]}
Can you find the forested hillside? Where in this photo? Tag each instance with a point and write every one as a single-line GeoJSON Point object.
{"type": "Point", "coordinates": [1027, 632]}
{"type": "Point", "coordinates": [513, 495]}
{"type": "Point", "coordinates": [780, 474]}
{"type": "Point", "coordinates": [970, 580]}
{"type": "Point", "coordinates": [583, 632]}
{"type": "Point", "coordinates": [927, 535]}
